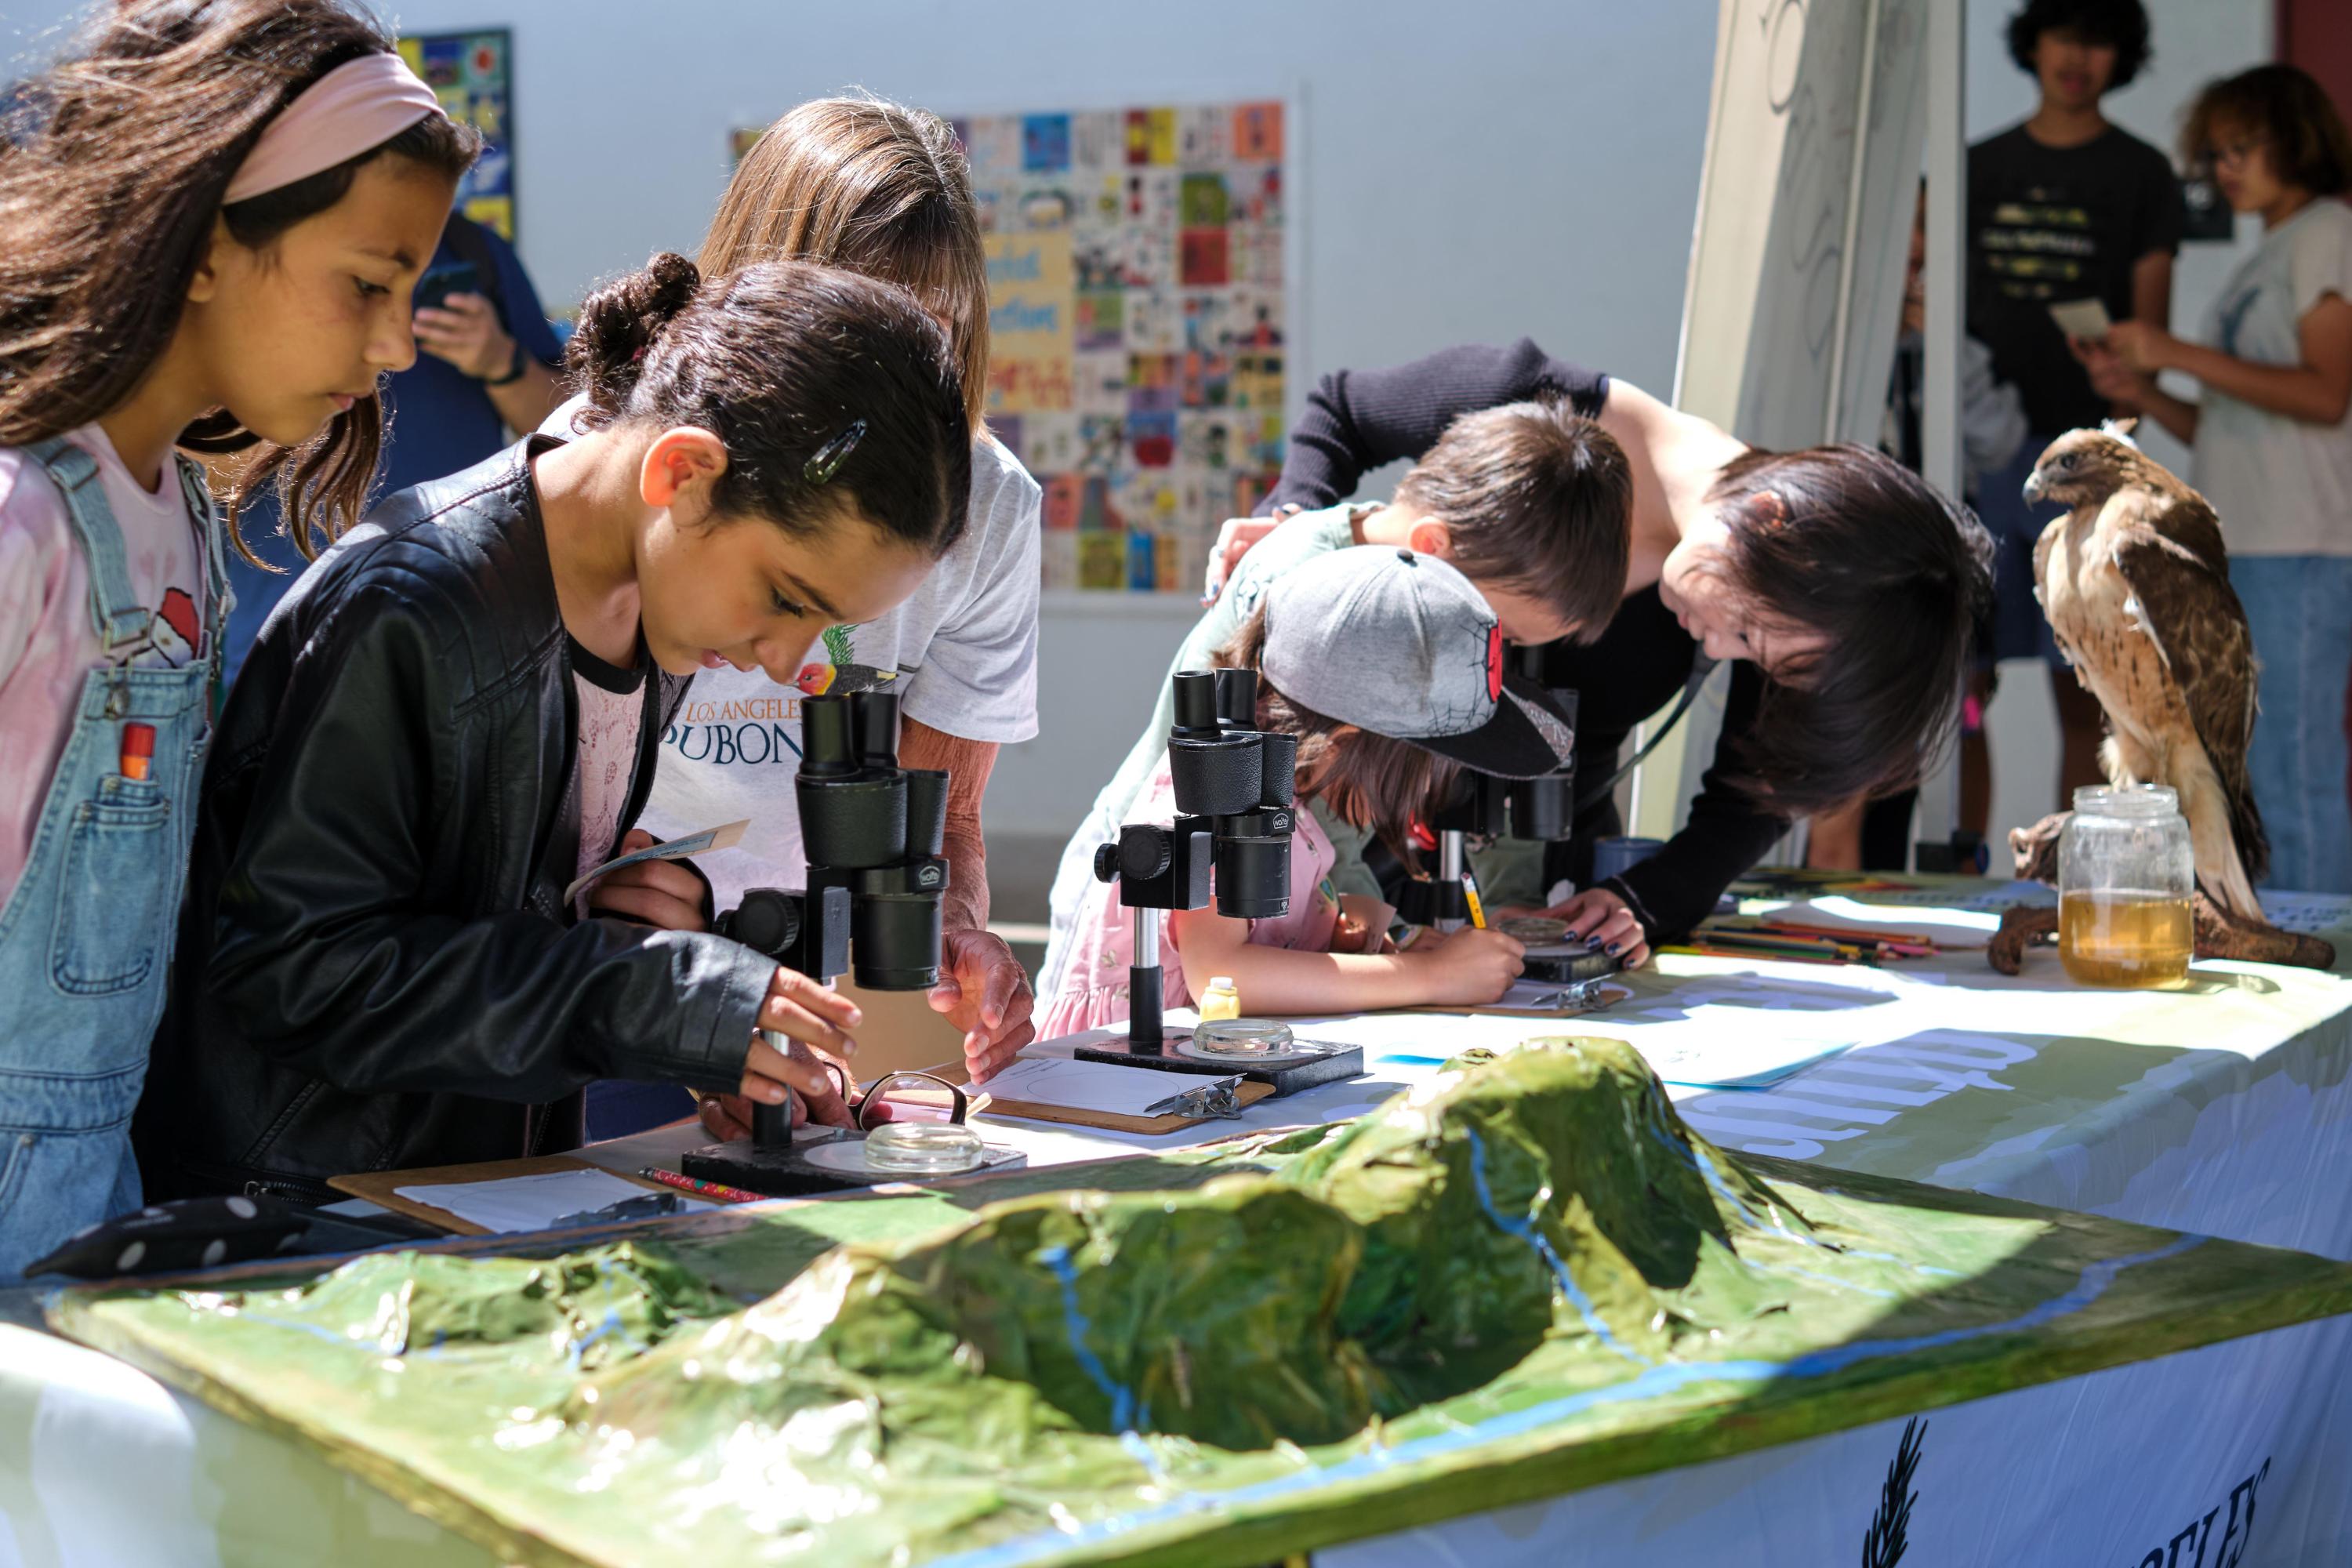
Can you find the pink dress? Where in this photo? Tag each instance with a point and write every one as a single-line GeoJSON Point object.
{"type": "Point", "coordinates": [1102, 939]}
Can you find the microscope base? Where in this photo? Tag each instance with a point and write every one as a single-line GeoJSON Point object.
{"type": "Point", "coordinates": [1567, 971]}
{"type": "Point", "coordinates": [803, 1168]}
{"type": "Point", "coordinates": [1286, 1074]}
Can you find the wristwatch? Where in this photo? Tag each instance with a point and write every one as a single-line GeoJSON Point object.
{"type": "Point", "coordinates": [514, 369]}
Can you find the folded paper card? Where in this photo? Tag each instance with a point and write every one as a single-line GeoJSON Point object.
{"type": "Point", "coordinates": [702, 843]}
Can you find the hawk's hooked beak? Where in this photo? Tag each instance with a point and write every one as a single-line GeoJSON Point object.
{"type": "Point", "coordinates": [2033, 488]}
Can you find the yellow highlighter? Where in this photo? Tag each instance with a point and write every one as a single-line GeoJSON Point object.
{"type": "Point", "coordinates": [1470, 896]}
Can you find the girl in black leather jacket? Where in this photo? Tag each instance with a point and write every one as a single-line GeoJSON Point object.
{"type": "Point", "coordinates": [456, 711]}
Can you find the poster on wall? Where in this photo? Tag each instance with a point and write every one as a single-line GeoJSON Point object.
{"type": "Point", "coordinates": [473, 74]}
{"type": "Point", "coordinates": [1135, 264]}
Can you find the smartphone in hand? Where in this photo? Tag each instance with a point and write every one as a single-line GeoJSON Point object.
{"type": "Point", "coordinates": [433, 289]}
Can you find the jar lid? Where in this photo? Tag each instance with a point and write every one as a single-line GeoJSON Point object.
{"type": "Point", "coordinates": [1242, 1038]}
{"type": "Point", "coordinates": [2126, 800]}
{"type": "Point", "coordinates": [1221, 983]}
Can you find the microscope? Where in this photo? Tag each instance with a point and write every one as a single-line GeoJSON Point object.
{"type": "Point", "coordinates": [875, 833]}
{"type": "Point", "coordinates": [1539, 810]}
{"type": "Point", "coordinates": [1237, 814]}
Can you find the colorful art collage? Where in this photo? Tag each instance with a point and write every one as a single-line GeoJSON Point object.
{"type": "Point", "coordinates": [1135, 263]}
{"type": "Point", "coordinates": [473, 74]}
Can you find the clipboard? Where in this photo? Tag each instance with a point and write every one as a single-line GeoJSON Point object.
{"type": "Point", "coordinates": [1246, 1093]}
{"type": "Point", "coordinates": [377, 1187]}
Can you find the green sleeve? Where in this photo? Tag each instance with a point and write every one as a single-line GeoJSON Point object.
{"type": "Point", "coordinates": [1348, 872]}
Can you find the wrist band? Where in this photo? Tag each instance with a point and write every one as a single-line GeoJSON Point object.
{"type": "Point", "coordinates": [514, 368]}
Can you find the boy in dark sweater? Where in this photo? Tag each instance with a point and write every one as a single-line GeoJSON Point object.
{"type": "Point", "coordinates": [2062, 206]}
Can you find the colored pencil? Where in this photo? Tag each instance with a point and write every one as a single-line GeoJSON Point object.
{"type": "Point", "coordinates": [1757, 942]}
{"type": "Point", "coordinates": [1805, 928]}
{"type": "Point", "coordinates": [1697, 950]}
{"type": "Point", "coordinates": [701, 1189]}
{"type": "Point", "coordinates": [1840, 933]}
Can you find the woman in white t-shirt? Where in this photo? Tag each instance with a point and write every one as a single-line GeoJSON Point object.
{"type": "Point", "coordinates": [2272, 434]}
{"type": "Point", "coordinates": [875, 188]}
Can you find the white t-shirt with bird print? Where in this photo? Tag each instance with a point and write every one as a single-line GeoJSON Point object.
{"type": "Point", "coordinates": [961, 652]}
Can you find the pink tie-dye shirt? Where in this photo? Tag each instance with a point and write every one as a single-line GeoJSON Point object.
{"type": "Point", "coordinates": [607, 761]}
{"type": "Point", "coordinates": [1103, 937]}
{"type": "Point", "coordinates": [47, 643]}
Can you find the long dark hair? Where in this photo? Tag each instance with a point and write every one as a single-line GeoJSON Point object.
{"type": "Point", "coordinates": [827, 389]}
{"type": "Point", "coordinates": [1372, 780]}
{"type": "Point", "coordinates": [112, 164]}
{"type": "Point", "coordinates": [1848, 543]}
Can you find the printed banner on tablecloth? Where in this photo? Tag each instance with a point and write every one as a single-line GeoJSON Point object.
{"type": "Point", "coordinates": [2215, 1458]}
{"type": "Point", "coordinates": [2213, 1110]}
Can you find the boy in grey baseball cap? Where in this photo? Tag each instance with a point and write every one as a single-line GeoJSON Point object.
{"type": "Point", "coordinates": [1386, 669]}
{"type": "Point", "coordinates": [1402, 646]}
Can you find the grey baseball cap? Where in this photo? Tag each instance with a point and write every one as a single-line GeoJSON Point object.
{"type": "Point", "coordinates": [1404, 646]}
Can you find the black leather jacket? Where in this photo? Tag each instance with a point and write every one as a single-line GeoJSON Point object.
{"type": "Point", "coordinates": [375, 968]}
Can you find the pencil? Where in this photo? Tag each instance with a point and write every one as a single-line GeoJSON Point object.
{"type": "Point", "coordinates": [701, 1189]}
{"type": "Point", "coordinates": [1470, 896]}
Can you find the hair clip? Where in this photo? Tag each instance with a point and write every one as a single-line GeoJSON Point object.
{"type": "Point", "coordinates": [829, 458]}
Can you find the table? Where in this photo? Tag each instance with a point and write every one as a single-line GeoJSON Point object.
{"type": "Point", "coordinates": [2223, 1110]}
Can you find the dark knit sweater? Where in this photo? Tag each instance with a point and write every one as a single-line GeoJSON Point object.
{"type": "Point", "coordinates": [1356, 420]}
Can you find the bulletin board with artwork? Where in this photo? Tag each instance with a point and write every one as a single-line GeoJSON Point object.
{"type": "Point", "coordinates": [472, 73]}
{"type": "Point", "coordinates": [1134, 261]}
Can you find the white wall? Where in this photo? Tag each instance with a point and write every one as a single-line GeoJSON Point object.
{"type": "Point", "coordinates": [2195, 40]}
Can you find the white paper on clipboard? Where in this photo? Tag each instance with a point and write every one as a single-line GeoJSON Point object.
{"type": "Point", "coordinates": [710, 838]}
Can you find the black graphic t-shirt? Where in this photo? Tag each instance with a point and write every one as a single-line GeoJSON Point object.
{"type": "Point", "coordinates": [2051, 224]}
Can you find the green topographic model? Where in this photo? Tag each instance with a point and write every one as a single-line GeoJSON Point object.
{"type": "Point", "coordinates": [1393, 1261]}
{"type": "Point", "coordinates": [1517, 1279]}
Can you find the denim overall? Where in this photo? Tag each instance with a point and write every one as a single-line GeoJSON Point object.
{"type": "Point", "coordinates": [86, 938]}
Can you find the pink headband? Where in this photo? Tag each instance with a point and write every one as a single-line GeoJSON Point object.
{"type": "Point", "coordinates": [360, 104]}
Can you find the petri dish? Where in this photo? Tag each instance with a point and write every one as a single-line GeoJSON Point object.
{"type": "Point", "coordinates": [926, 1146]}
{"type": "Point", "coordinates": [1243, 1038]}
{"type": "Point", "coordinates": [1535, 931]}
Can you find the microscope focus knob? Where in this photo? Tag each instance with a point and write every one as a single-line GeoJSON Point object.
{"type": "Point", "coordinates": [1144, 851]}
{"type": "Point", "coordinates": [1107, 863]}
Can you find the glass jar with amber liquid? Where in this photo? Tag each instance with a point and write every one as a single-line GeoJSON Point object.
{"type": "Point", "coordinates": [2125, 878]}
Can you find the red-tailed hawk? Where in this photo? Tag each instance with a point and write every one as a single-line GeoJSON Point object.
{"type": "Point", "coordinates": [2135, 582]}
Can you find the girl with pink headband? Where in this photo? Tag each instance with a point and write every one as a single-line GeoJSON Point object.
{"type": "Point", "coordinates": [216, 213]}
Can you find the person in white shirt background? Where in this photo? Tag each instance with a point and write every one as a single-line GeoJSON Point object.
{"type": "Point", "coordinates": [883, 190]}
{"type": "Point", "coordinates": [2272, 432]}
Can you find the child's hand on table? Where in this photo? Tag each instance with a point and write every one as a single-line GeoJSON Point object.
{"type": "Point", "coordinates": [1600, 916]}
{"type": "Point", "coordinates": [656, 892]}
{"type": "Point", "coordinates": [1468, 968]}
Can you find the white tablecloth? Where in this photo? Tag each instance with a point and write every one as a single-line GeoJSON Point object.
{"type": "Point", "coordinates": [2223, 1109]}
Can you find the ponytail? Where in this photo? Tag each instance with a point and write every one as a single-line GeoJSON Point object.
{"type": "Point", "coordinates": [617, 324]}
{"type": "Point", "coordinates": [829, 390]}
